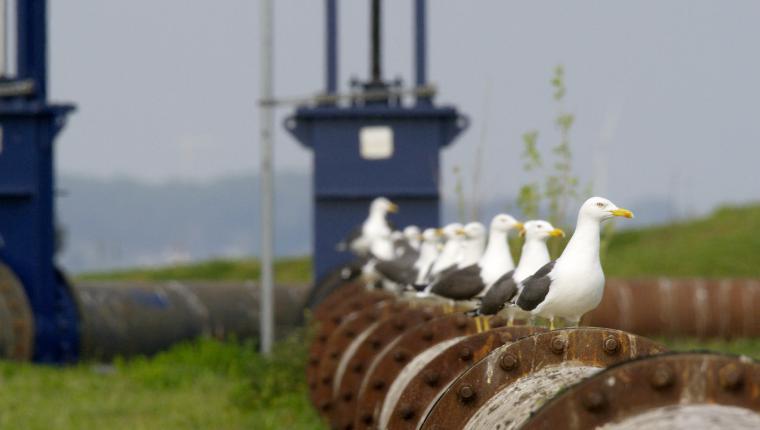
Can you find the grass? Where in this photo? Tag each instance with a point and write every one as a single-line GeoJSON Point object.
{"type": "Point", "coordinates": [206, 384]}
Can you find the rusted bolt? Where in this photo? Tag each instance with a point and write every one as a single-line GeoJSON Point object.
{"type": "Point", "coordinates": [323, 338]}
{"type": "Point", "coordinates": [358, 368]}
{"type": "Point", "coordinates": [378, 385]}
{"type": "Point", "coordinates": [558, 345]}
{"type": "Point", "coordinates": [400, 356]}
{"type": "Point", "coordinates": [427, 315]}
{"type": "Point", "coordinates": [406, 412]}
{"type": "Point", "coordinates": [350, 334]}
{"type": "Point", "coordinates": [460, 322]}
{"type": "Point", "coordinates": [506, 337]}
{"type": "Point", "coordinates": [372, 316]}
{"type": "Point", "coordinates": [466, 393]}
{"type": "Point", "coordinates": [314, 360]}
{"type": "Point", "coordinates": [399, 325]}
{"type": "Point", "coordinates": [326, 405]}
{"type": "Point", "coordinates": [431, 377]}
{"type": "Point", "coordinates": [347, 396]}
{"type": "Point", "coordinates": [427, 334]}
{"type": "Point", "coordinates": [367, 418]}
{"type": "Point", "coordinates": [662, 377]}
{"type": "Point", "coordinates": [611, 345]}
{"type": "Point", "coordinates": [465, 354]}
{"type": "Point", "coordinates": [356, 305]}
{"type": "Point", "coordinates": [336, 319]}
{"type": "Point", "coordinates": [334, 355]}
{"type": "Point", "coordinates": [376, 343]}
{"type": "Point", "coordinates": [730, 377]}
{"type": "Point", "coordinates": [594, 401]}
{"type": "Point", "coordinates": [509, 362]}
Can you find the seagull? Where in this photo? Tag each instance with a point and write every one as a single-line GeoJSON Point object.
{"type": "Point", "coordinates": [471, 279]}
{"type": "Point", "coordinates": [573, 284]}
{"type": "Point", "coordinates": [534, 256]}
{"type": "Point", "coordinates": [413, 236]}
{"type": "Point", "coordinates": [428, 254]}
{"type": "Point", "coordinates": [454, 235]}
{"type": "Point", "coordinates": [376, 225]}
{"type": "Point", "coordinates": [400, 269]}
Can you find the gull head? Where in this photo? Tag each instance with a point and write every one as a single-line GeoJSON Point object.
{"type": "Point", "coordinates": [540, 230]}
{"type": "Point", "coordinates": [383, 205]}
{"type": "Point", "coordinates": [474, 230]}
{"type": "Point", "coordinates": [504, 223]}
{"type": "Point", "coordinates": [601, 209]}
{"type": "Point", "coordinates": [412, 232]}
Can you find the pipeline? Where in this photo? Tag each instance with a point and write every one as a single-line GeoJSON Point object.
{"type": "Point", "coordinates": [381, 361]}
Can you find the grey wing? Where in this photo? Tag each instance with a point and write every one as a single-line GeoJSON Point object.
{"type": "Point", "coordinates": [398, 273]}
{"type": "Point", "coordinates": [462, 284]}
{"type": "Point", "coordinates": [535, 288]}
{"type": "Point", "coordinates": [500, 293]}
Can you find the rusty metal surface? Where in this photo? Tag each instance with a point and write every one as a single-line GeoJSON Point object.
{"type": "Point", "coordinates": [331, 320]}
{"type": "Point", "coordinates": [346, 337]}
{"type": "Point", "coordinates": [395, 356]}
{"type": "Point", "coordinates": [703, 308]}
{"type": "Point", "coordinates": [529, 371]}
{"type": "Point", "coordinates": [349, 289]}
{"type": "Point", "coordinates": [675, 391]}
{"type": "Point", "coordinates": [16, 319]}
{"type": "Point", "coordinates": [377, 337]}
{"type": "Point", "coordinates": [419, 394]}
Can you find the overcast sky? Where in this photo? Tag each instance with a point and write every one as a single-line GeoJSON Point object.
{"type": "Point", "coordinates": [167, 89]}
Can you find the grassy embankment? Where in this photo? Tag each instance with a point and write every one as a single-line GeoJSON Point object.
{"type": "Point", "coordinates": [208, 384]}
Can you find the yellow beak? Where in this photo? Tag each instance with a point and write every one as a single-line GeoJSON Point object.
{"type": "Point", "coordinates": [393, 208]}
{"type": "Point", "coordinates": [622, 212]}
{"type": "Point", "coordinates": [520, 226]}
{"type": "Point", "coordinates": [557, 232]}
{"type": "Point", "coordinates": [439, 232]}
{"type": "Point", "coordinates": [461, 232]}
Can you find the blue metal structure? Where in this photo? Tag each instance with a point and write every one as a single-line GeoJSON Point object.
{"type": "Point", "coordinates": [399, 159]}
{"type": "Point", "coordinates": [29, 125]}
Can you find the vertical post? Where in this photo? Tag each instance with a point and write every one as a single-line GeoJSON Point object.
{"type": "Point", "coordinates": [331, 32]}
{"type": "Point", "coordinates": [3, 38]}
{"type": "Point", "coordinates": [420, 47]}
{"type": "Point", "coordinates": [375, 52]}
{"type": "Point", "coordinates": [267, 201]}
{"type": "Point", "coordinates": [31, 42]}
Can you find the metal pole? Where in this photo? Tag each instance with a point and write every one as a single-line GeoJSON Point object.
{"type": "Point", "coordinates": [420, 47]}
{"type": "Point", "coordinates": [375, 52]}
{"type": "Point", "coordinates": [3, 38]}
{"type": "Point", "coordinates": [331, 31]}
{"type": "Point", "coordinates": [267, 191]}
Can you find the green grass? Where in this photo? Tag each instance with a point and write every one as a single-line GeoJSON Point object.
{"type": "Point", "coordinates": [287, 270]}
{"type": "Point", "coordinates": [204, 384]}
{"type": "Point", "coordinates": [724, 244]}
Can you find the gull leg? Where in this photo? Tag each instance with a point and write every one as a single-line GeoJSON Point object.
{"type": "Point", "coordinates": [551, 323]}
{"type": "Point", "coordinates": [511, 320]}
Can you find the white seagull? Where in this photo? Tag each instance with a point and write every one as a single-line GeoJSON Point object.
{"type": "Point", "coordinates": [573, 284]}
{"type": "Point", "coordinates": [454, 236]}
{"type": "Point", "coordinates": [375, 226]}
{"type": "Point", "coordinates": [472, 279]}
{"type": "Point", "coordinates": [534, 256]}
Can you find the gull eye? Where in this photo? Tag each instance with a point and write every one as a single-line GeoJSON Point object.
{"type": "Point", "coordinates": [600, 204]}
{"type": "Point", "coordinates": [539, 226]}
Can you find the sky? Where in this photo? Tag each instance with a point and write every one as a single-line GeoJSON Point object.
{"type": "Point", "coordinates": [665, 94]}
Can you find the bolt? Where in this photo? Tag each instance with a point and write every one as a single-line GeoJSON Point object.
{"type": "Point", "coordinates": [427, 315]}
{"type": "Point", "coordinates": [558, 345]}
{"type": "Point", "coordinates": [326, 380]}
{"type": "Point", "coordinates": [399, 325]}
{"type": "Point", "coordinates": [347, 396]}
{"type": "Point", "coordinates": [378, 385]}
{"type": "Point", "coordinates": [314, 360]}
{"type": "Point", "coordinates": [466, 392]}
{"type": "Point", "coordinates": [431, 377]}
{"type": "Point", "coordinates": [662, 377]}
{"type": "Point", "coordinates": [334, 355]}
{"type": "Point", "coordinates": [730, 377]}
{"type": "Point", "coordinates": [376, 343]}
{"type": "Point", "coordinates": [358, 368]}
{"type": "Point", "coordinates": [465, 354]}
{"type": "Point", "coordinates": [509, 362]}
{"type": "Point", "coordinates": [399, 356]}
{"type": "Point", "coordinates": [461, 322]}
{"type": "Point", "coordinates": [611, 345]}
{"type": "Point", "coordinates": [427, 335]}
{"type": "Point", "coordinates": [350, 334]}
{"type": "Point", "coordinates": [594, 401]}
{"type": "Point", "coordinates": [336, 319]}
{"type": "Point", "coordinates": [323, 338]}
{"type": "Point", "coordinates": [407, 412]}
{"type": "Point", "coordinates": [356, 305]}
{"type": "Point", "coordinates": [326, 405]}
{"type": "Point", "coordinates": [367, 419]}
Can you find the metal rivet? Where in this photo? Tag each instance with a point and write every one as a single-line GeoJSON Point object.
{"type": "Point", "coordinates": [427, 315]}
{"type": "Point", "coordinates": [611, 345]}
{"type": "Point", "coordinates": [323, 338]}
{"type": "Point", "coordinates": [326, 380]}
{"type": "Point", "coordinates": [399, 325]}
{"type": "Point", "coordinates": [378, 385]}
{"type": "Point", "coordinates": [314, 360]}
{"type": "Point", "coordinates": [558, 345]}
{"type": "Point", "coordinates": [326, 406]}
{"type": "Point", "coordinates": [358, 368]}
{"type": "Point", "coordinates": [336, 319]}
{"type": "Point", "coordinates": [334, 355]}
{"type": "Point", "coordinates": [356, 305]}
{"type": "Point", "coordinates": [407, 412]}
{"type": "Point", "coordinates": [367, 419]}
{"type": "Point", "coordinates": [427, 334]}
{"type": "Point", "coordinates": [466, 392]}
{"type": "Point", "coordinates": [350, 334]}
{"type": "Point", "coordinates": [662, 377]}
{"type": "Point", "coordinates": [461, 322]}
{"type": "Point", "coordinates": [594, 401]}
{"type": "Point", "coordinates": [465, 354]}
{"type": "Point", "coordinates": [508, 361]}
{"type": "Point", "coordinates": [730, 377]}
{"type": "Point", "coordinates": [431, 377]}
{"type": "Point", "coordinates": [399, 356]}
{"type": "Point", "coordinates": [347, 396]}
{"type": "Point", "coordinates": [375, 343]}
